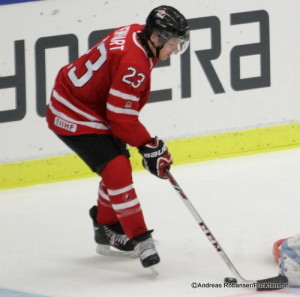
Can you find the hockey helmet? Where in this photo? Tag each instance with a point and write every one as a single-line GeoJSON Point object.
{"type": "Point", "coordinates": [169, 23]}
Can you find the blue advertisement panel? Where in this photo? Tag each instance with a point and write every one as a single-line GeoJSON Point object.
{"type": "Point", "coordinates": [3, 2]}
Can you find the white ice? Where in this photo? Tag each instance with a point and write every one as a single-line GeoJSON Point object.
{"type": "Point", "coordinates": [46, 236]}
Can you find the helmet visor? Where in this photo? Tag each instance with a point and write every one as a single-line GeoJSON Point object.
{"type": "Point", "coordinates": [177, 44]}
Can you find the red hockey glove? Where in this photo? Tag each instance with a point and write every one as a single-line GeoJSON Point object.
{"type": "Point", "coordinates": [156, 157]}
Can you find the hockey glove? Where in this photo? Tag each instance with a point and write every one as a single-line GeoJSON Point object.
{"type": "Point", "coordinates": [156, 157]}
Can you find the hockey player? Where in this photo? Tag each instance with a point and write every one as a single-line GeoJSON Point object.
{"type": "Point", "coordinates": [94, 109]}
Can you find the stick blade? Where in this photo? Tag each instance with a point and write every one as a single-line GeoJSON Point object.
{"type": "Point", "coordinates": [273, 283]}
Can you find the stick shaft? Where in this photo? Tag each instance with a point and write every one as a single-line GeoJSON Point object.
{"type": "Point", "coordinates": [204, 228]}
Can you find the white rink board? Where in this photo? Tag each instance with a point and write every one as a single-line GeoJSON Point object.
{"type": "Point", "coordinates": [201, 112]}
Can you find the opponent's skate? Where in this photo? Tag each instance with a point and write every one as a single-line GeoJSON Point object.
{"type": "Point", "coordinates": [111, 239]}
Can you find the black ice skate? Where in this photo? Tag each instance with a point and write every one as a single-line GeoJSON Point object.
{"type": "Point", "coordinates": [111, 239]}
{"type": "Point", "coordinates": [145, 249]}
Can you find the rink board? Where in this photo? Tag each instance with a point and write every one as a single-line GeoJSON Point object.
{"type": "Point", "coordinates": [234, 91]}
{"type": "Point", "coordinates": [186, 150]}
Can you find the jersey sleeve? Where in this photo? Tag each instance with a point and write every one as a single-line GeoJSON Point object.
{"type": "Point", "coordinates": [129, 92]}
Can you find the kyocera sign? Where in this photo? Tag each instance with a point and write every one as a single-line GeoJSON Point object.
{"type": "Point", "coordinates": [205, 57]}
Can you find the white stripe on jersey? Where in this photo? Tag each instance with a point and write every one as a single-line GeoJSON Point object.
{"type": "Point", "coordinates": [67, 118]}
{"type": "Point", "coordinates": [66, 103]}
{"type": "Point", "coordinates": [121, 110]}
{"type": "Point", "coordinates": [123, 95]}
{"type": "Point", "coordinates": [126, 204]}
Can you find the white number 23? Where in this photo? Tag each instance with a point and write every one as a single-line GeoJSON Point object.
{"type": "Point", "coordinates": [137, 82]}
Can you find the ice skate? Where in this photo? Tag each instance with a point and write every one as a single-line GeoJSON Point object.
{"type": "Point", "coordinates": [145, 250]}
{"type": "Point", "coordinates": [110, 239]}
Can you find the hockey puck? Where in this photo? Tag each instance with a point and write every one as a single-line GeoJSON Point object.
{"type": "Point", "coordinates": [229, 280]}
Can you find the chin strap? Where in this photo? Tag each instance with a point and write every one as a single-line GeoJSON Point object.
{"type": "Point", "coordinates": [145, 45]}
{"type": "Point", "coordinates": [158, 48]}
{"type": "Point", "coordinates": [147, 48]}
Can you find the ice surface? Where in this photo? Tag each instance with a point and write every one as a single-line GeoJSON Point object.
{"type": "Point", "coordinates": [47, 247]}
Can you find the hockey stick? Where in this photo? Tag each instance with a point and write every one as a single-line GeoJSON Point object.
{"type": "Point", "coordinates": [273, 283]}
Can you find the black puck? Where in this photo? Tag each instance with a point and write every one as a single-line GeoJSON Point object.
{"type": "Point", "coordinates": [230, 280]}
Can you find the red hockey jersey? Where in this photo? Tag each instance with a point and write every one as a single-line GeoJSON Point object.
{"type": "Point", "coordinates": [103, 91]}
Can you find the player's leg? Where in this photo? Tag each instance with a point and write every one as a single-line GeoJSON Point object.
{"type": "Point", "coordinates": [105, 212]}
{"type": "Point", "coordinates": [117, 177]}
{"type": "Point", "coordinates": [97, 151]}
{"type": "Point", "coordinates": [109, 157]}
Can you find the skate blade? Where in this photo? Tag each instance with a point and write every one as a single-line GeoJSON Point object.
{"type": "Point", "coordinates": [154, 271]}
{"type": "Point", "coordinates": [106, 250]}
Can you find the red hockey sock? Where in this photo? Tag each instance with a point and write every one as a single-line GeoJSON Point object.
{"type": "Point", "coordinates": [105, 213]}
{"type": "Point", "coordinates": [118, 180]}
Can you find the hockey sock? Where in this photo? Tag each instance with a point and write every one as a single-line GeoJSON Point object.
{"type": "Point", "coordinates": [105, 213]}
{"type": "Point", "coordinates": [117, 178]}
